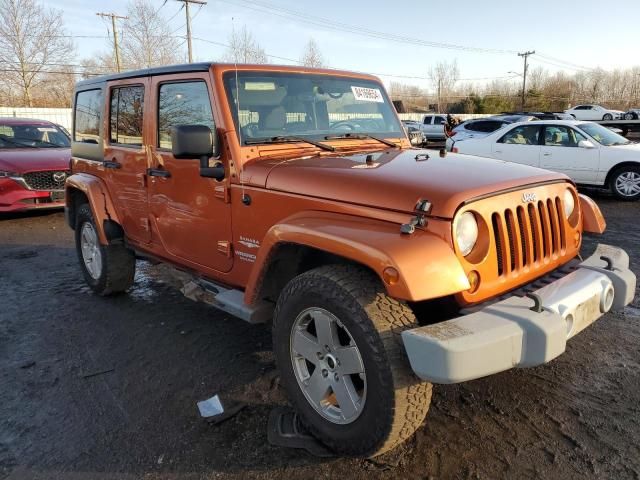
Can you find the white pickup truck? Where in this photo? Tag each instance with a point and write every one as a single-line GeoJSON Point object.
{"type": "Point", "coordinates": [433, 126]}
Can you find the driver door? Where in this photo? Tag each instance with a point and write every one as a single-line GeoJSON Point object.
{"type": "Point", "coordinates": [190, 214]}
{"type": "Point", "coordinates": [561, 153]}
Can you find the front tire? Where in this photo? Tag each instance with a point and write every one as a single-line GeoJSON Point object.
{"type": "Point", "coordinates": [628, 116]}
{"type": "Point", "coordinates": [625, 183]}
{"type": "Point", "coordinates": [607, 116]}
{"type": "Point", "coordinates": [338, 348]}
{"type": "Point", "coordinates": [107, 269]}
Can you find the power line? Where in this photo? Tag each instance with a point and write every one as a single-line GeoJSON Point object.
{"type": "Point", "coordinates": [323, 22]}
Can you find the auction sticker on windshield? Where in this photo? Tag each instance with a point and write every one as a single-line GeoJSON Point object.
{"type": "Point", "coordinates": [367, 94]}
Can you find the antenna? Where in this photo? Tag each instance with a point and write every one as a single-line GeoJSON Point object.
{"type": "Point", "coordinates": [245, 198]}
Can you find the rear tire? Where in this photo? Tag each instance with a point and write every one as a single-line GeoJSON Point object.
{"type": "Point", "coordinates": [387, 402]}
{"type": "Point", "coordinates": [107, 269]}
{"type": "Point", "coordinates": [628, 116]}
{"type": "Point", "coordinates": [625, 183]}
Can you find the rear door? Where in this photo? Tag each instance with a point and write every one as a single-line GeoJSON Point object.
{"type": "Point", "coordinates": [125, 155]}
{"type": "Point", "coordinates": [519, 144]}
{"type": "Point", "coordinates": [560, 152]}
{"type": "Point", "coordinates": [190, 214]}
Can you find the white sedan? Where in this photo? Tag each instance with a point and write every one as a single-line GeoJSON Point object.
{"type": "Point", "coordinates": [594, 112]}
{"type": "Point", "coordinates": [587, 152]}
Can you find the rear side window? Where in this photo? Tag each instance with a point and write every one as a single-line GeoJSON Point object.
{"type": "Point", "coordinates": [125, 121]}
{"type": "Point", "coordinates": [184, 103]}
{"type": "Point", "coordinates": [87, 116]}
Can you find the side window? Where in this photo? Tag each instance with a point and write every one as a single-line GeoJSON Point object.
{"type": "Point", "coordinates": [184, 103]}
{"type": "Point", "coordinates": [427, 120]}
{"type": "Point", "coordinates": [440, 120]}
{"type": "Point", "coordinates": [484, 126]}
{"type": "Point", "coordinates": [87, 116]}
{"type": "Point", "coordinates": [126, 112]}
{"type": "Point", "coordinates": [522, 135]}
{"type": "Point", "coordinates": [560, 136]}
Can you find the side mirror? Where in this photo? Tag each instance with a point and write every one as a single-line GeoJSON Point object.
{"type": "Point", "coordinates": [586, 144]}
{"type": "Point", "coordinates": [197, 141]}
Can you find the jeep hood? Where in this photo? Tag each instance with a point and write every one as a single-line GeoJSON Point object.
{"type": "Point", "coordinates": [396, 180]}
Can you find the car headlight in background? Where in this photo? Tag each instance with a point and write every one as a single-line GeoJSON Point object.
{"type": "Point", "coordinates": [569, 203]}
{"type": "Point", "coordinates": [466, 232]}
{"type": "Point", "coordinates": [8, 174]}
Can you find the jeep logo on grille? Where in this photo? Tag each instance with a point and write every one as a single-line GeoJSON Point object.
{"type": "Point", "coordinates": [59, 177]}
{"type": "Point", "coordinates": [528, 197]}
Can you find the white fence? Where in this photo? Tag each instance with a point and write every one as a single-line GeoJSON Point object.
{"type": "Point", "coordinates": [462, 116]}
{"type": "Point", "coordinates": [61, 116]}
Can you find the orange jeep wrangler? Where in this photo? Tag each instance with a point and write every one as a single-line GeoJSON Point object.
{"type": "Point", "coordinates": [292, 195]}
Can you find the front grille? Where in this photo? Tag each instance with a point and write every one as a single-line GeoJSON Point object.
{"type": "Point", "coordinates": [528, 234]}
{"type": "Point", "coordinates": [48, 180]}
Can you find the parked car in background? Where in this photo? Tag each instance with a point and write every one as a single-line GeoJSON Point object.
{"type": "Point", "coordinates": [632, 114]}
{"type": "Point", "coordinates": [34, 164]}
{"type": "Point", "coordinates": [481, 127]}
{"type": "Point", "coordinates": [414, 132]}
{"type": "Point", "coordinates": [593, 112]}
{"type": "Point", "coordinates": [589, 153]}
{"type": "Point", "coordinates": [433, 126]}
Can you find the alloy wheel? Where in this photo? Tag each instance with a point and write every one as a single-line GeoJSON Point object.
{"type": "Point", "coordinates": [90, 247]}
{"type": "Point", "coordinates": [627, 184]}
{"type": "Point", "coordinates": [328, 365]}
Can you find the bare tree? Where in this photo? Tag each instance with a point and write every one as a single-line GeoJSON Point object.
{"type": "Point", "coordinates": [312, 57]}
{"type": "Point", "coordinates": [147, 40]}
{"type": "Point", "coordinates": [444, 76]}
{"type": "Point", "coordinates": [243, 48]}
{"type": "Point", "coordinates": [32, 41]}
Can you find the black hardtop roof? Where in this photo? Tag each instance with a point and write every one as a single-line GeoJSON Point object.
{"type": "Point", "coordinates": [185, 67]}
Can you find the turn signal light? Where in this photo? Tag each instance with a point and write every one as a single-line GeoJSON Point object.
{"type": "Point", "coordinates": [390, 276]}
{"type": "Point", "coordinates": [474, 280]}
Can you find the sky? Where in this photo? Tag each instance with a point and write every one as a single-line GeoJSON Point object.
{"type": "Point", "coordinates": [482, 36]}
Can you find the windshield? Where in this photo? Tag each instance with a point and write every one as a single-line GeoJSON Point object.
{"type": "Point", "coordinates": [309, 105]}
{"type": "Point", "coordinates": [32, 136]}
{"type": "Point", "coordinates": [603, 135]}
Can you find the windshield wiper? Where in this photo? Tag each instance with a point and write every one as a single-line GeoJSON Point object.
{"type": "Point", "coordinates": [361, 136]}
{"type": "Point", "coordinates": [289, 139]}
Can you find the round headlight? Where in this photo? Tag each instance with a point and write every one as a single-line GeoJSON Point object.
{"type": "Point", "coordinates": [569, 203]}
{"type": "Point", "coordinates": [466, 232]}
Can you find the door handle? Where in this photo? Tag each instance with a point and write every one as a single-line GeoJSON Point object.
{"type": "Point", "coordinates": [111, 164]}
{"type": "Point", "coordinates": [158, 172]}
{"type": "Point", "coordinates": [546, 154]}
{"type": "Point", "coordinates": [498, 151]}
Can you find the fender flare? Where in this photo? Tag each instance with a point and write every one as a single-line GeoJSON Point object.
{"type": "Point", "coordinates": [99, 200]}
{"type": "Point", "coordinates": [427, 265]}
{"type": "Point", "coordinates": [592, 219]}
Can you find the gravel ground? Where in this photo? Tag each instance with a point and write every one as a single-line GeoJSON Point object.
{"type": "Point", "coordinates": [96, 387]}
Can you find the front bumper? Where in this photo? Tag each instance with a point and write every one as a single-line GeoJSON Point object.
{"type": "Point", "coordinates": [513, 332]}
{"type": "Point", "coordinates": [15, 197]}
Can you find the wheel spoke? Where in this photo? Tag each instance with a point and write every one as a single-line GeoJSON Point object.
{"type": "Point", "coordinates": [347, 396]}
{"type": "Point", "coordinates": [306, 345]}
{"type": "Point", "coordinates": [325, 329]}
{"type": "Point", "coordinates": [318, 386]}
{"type": "Point", "coordinates": [350, 361]}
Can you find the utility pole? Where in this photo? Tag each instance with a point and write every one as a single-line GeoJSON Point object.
{"type": "Point", "coordinates": [186, 9]}
{"type": "Point", "coordinates": [439, 90]}
{"type": "Point", "coordinates": [525, 55]}
{"type": "Point", "coordinates": [116, 48]}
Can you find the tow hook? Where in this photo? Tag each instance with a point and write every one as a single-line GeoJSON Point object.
{"type": "Point", "coordinates": [608, 261]}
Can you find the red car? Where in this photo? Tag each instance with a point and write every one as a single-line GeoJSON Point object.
{"type": "Point", "coordinates": [34, 164]}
